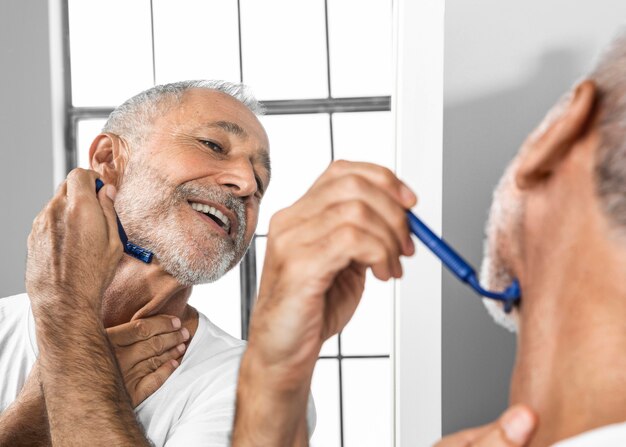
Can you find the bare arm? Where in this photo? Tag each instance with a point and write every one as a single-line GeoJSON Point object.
{"type": "Point", "coordinates": [73, 252]}
{"type": "Point", "coordinates": [318, 251]}
{"type": "Point", "coordinates": [270, 411]}
{"type": "Point", "coordinates": [83, 389]}
{"type": "Point", "coordinates": [144, 350]}
{"type": "Point", "coordinates": [25, 423]}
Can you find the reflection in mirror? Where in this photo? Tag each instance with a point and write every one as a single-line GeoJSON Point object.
{"type": "Point", "coordinates": [284, 48]}
{"type": "Point", "coordinates": [111, 50]}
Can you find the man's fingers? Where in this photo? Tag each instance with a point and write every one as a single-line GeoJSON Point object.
{"type": "Point", "coordinates": [355, 213]}
{"type": "Point", "coordinates": [81, 183]}
{"type": "Point", "coordinates": [106, 196]}
{"type": "Point", "coordinates": [378, 175]}
{"type": "Point", "coordinates": [465, 438]}
{"type": "Point", "coordinates": [350, 188]}
{"type": "Point", "coordinates": [138, 330]}
{"type": "Point", "coordinates": [129, 356]}
{"type": "Point", "coordinates": [153, 363]}
{"type": "Point", "coordinates": [514, 429]}
{"type": "Point", "coordinates": [346, 244]}
{"type": "Point", "coordinates": [153, 381]}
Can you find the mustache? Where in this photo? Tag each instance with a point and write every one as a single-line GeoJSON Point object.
{"type": "Point", "coordinates": [214, 194]}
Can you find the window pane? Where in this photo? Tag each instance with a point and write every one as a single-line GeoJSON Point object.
{"type": "Point", "coordinates": [369, 330]}
{"type": "Point", "coordinates": [196, 39]}
{"type": "Point", "coordinates": [374, 146]}
{"type": "Point", "coordinates": [330, 347]}
{"type": "Point", "coordinates": [111, 50]}
{"type": "Point", "coordinates": [361, 58]}
{"type": "Point", "coordinates": [86, 131]}
{"type": "Point", "coordinates": [367, 402]}
{"type": "Point", "coordinates": [325, 389]}
{"type": "Point", "coordinates": [300, 151]}
{"type": "Point", "coordinates": [284, 48]}
{"type": "Point", "coordinates": [221, 302]}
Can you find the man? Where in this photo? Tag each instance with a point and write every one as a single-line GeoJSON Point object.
{"type": "Point", "coordinates": [164, 155]}
{"type": "Point", "coordinates": [187, 164]}
{"type": "Point", "coordinates": [558, 225]}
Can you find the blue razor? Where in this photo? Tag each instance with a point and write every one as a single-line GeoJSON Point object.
{"type": "Point", "coordinates": [458, 266]}
{"type": "Point", "coordinates": [133, 250]}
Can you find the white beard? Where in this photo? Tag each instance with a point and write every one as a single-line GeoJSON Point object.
{"type": "Point", "coordinates": [503, 227]}
{"type": "Point", "coordinates": [152, 212]}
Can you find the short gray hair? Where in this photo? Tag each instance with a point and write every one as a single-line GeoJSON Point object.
{"type": "Point", "coordinates": [133, 119]}
{"type": "Point", "coordinates": [609, 76]}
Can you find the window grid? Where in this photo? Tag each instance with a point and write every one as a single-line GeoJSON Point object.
{"type": "Point", "coordinates": [330, 105]}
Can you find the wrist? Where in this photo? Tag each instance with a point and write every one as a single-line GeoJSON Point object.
{"type": "Point", "coordinates": [52, 303]}
{"type": "Point", "coordinates": [271, 405]}
{"type": "Point", "coordinates": [276, 376]}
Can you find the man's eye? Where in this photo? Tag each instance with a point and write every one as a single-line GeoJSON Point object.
{"type": "Point", "coordinates": [213, 146]}
{"type": "Point", "coordinates": [259, 187]}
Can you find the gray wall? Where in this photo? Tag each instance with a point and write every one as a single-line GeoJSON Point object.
{"type": "Point", "coordinates": [506, 63]}
{"type": "Point", "coordinates": [25, 131]}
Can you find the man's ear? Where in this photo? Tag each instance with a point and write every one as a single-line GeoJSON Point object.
{"type": "Point", "coordinates": [108, 155]}
{"type": "Point", "coordinates": [544, 152]}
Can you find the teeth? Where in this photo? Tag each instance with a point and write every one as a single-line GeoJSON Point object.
{"type": "Point", "coordinates": [203, 208]}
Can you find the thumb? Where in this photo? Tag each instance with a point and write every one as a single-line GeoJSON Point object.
{"type": "Point", "coordinates": [513, 429]}
{"type": "Point", "coordinates": [106, 197]}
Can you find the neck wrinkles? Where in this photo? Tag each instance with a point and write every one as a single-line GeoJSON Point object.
{"type": "Point", "coordinates": [140, 290]}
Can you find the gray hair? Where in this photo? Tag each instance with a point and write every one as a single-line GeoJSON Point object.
{"type": "Point", "coordinates": [133, 119]}
{"type": "Point", "coordinates": [609, 75]}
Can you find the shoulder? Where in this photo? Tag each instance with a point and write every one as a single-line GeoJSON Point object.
{"type": "Point", "coordinates": [14, 304]}
{"type": "Point", "coordinates": [196, 404]}
{"type": "Point", "coordinates": [613, 435]}
{"type": "Point", "coordinates": [14, 312]}
{"type": "Point", "coordinates": [212, 359]}
{"type": "Point", "coordinates": [17, 346]}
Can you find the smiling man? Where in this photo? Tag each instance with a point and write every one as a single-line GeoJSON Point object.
{"type": "Point", "coordinates": [188, 164]}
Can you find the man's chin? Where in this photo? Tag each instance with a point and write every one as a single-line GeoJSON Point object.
{"type": "Point", "coordinates": [508, 321]}
{"type": "Point", "coordinates": [494, 277]}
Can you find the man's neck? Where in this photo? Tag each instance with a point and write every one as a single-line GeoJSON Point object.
{"type": "Point", "coordinates": [571, 358]}
{"type": "Point", "coordinates": [141, 290]}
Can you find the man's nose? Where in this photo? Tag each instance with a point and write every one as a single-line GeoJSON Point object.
{"type": "Point", "coordinates": [238, 176]}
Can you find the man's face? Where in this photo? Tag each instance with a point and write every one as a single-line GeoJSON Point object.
{"type": "Point", "coordinates": [503, 244]}
{"type": "Point", "coordinates": [191, 193]}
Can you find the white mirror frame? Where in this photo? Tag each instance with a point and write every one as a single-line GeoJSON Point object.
{"type": "Point", "coordinates": [417, 105]}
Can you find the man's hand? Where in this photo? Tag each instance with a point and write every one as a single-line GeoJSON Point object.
{"type": "Point", "coordinates": [514, 429]}
{"type": "Point", "coordinates": [73, 252]}
{"type": "Point", "coordinates": [24, 422]}
{"type": "Point", "coordinates": [318, 251]}
{"type": "Point", "coordinates": [353, 218]}
{"type": "Point", "coordinates": [148, 351]}
{"type": "Point", "coordinates": [74, 247]}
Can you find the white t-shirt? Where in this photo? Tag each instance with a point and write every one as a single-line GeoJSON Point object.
{"type": "Point", "coordinates": [195, 406]}
{"type": "Point", "coordinates": [613, 435]}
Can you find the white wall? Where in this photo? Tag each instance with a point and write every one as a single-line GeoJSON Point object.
{"type": "Point", "coordinates": [506, 63]}
{"type": "Point", "coordinates": [26, 165]}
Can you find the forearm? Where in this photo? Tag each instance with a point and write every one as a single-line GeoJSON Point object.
{"type": "Point", "coordinates": [25, 423]}
{"type": "Point", "coordinates": [86, 400]}
{"type": "Point", "coordinates": [270, 410]}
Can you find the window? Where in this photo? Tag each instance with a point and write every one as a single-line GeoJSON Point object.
{"type": "Point", "coordinates": [324, 75]}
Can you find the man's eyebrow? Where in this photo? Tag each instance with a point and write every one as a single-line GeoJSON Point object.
{"type": "Point", "coordinates": [227, 126]}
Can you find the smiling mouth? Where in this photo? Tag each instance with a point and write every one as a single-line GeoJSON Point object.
{"type": "Point", "coordinates": [214, 214]}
